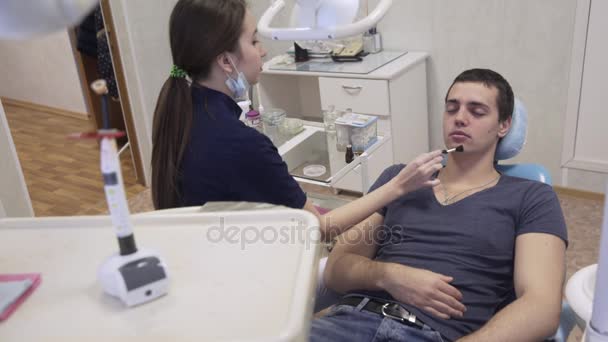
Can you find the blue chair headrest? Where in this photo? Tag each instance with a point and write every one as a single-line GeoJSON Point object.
{"type": "Point", "coordinates": [512, 143]}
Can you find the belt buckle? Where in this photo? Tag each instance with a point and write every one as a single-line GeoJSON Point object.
{"type": "Point", "coordinates": [395, 309]}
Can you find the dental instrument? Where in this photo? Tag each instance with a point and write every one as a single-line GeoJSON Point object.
{"type": "Point", "coordinates": [133, 275]}
{"type": "Point", "coordinates": [455, 149]}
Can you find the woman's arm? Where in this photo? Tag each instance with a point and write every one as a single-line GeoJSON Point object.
{"type": "Point", "coordinates": [417, 174]}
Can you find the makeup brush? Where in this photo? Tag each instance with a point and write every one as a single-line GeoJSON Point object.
{"type": "Point", "coordinates": [455, 149]}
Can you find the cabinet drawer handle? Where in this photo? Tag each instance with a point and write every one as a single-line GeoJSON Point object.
{"type": "Point", "coordinates": [352, 89]}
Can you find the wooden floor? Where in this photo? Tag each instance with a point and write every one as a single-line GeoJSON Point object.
{"type": "Point", "coordinates": [62, 176]}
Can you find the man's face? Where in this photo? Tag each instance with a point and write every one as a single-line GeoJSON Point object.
{"type": "Point", "coordinates": [471, 118]}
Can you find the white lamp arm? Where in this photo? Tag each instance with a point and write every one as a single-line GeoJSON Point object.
{"type": "Point", "coordinates": [20, 19]}
{"type": "Point", "coordinates": [306, 33]}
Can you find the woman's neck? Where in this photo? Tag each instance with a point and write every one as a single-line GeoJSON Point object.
{"type": "Point", "coordinates": [216, 84]}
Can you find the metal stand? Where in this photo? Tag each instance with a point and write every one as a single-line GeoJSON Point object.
{"type": "Point", "coordinates": [124, 148]}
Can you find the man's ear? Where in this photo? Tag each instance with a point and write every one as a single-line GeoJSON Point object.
{"type": "Point", "coordinates": [224, 63]}
{"type": "Point", "coordinates": [504, 127]}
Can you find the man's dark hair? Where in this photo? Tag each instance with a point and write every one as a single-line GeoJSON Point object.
{"type": "Point", "coordinates": [504, 100]}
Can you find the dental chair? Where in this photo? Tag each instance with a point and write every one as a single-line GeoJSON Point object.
{"type": "Point", "coordinates": [507, 148]}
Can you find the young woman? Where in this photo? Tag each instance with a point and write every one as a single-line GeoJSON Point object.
{"type": "Point", "coordinates": [202, 152]}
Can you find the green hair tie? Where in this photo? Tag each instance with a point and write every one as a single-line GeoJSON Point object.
{"type": "Point", "coordinates": [178, 72]}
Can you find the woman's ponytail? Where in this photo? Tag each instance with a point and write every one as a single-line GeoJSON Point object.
{"type": "Point", "coordinates": [199, 31]}
{"type": "Point", "coordinates": [170, 134]}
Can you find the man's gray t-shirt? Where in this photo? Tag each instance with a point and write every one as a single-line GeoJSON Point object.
{"type": "Point", "coordinates": [472, 240]}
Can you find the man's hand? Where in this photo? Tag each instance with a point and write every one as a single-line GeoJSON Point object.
{"type": "Point", "coordinates": [418, 173]}
{"type": "Point", "coordinates": [423, 289]}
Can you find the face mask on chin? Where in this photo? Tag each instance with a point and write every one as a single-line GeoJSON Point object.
{"type": "Point", "coordinates": [238, 86]}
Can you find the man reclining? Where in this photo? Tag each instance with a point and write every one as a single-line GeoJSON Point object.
{"type": "Point", "coordinates": [479, 256]}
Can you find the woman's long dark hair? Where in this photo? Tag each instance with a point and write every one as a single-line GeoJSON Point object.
{"type": "Point", "coordinates": [199, 31]}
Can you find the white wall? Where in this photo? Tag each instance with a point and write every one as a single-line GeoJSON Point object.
{"type": "Point", "coordinates": [41, 71]}
{"type": "Point", "coordinates": [14, 197]}
{"type": "Point", "coordinates": [528, 41]}
{"type": "Point", "coordinates": [584, 155]}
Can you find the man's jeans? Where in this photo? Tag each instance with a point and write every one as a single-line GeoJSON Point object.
{"type": "Point", "coordinates": [346, 323]}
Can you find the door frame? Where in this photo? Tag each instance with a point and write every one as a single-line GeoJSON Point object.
{"type": "Point", "coordinates": [119, 73]}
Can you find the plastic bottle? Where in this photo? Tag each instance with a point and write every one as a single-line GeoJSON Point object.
{"type": "Point", "coordinates": [254, 119]}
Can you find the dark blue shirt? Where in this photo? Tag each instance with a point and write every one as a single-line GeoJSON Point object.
{"type": "Point", "coordinates": [225, 160]}
{"type": "Point", "coordinates": [472, 240]}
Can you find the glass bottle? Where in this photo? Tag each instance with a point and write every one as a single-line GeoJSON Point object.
{"type": "Point", "coordinates": [329, 119]}
{"type": "Point", "coordinates": [350, 156]}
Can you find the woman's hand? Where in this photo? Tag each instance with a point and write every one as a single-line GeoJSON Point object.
{"type": "Point", "coordinates": [426, 290]}
{"type": "Point", "coordinates": [418, 173]}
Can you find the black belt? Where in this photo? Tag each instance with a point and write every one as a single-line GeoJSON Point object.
{"type": "Point", "coordinates": [385, 309]}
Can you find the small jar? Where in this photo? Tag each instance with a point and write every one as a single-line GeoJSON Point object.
{"type": "Point", "coordinates": [329, 119]}
{"type": "Point", "coordinates": [272, 120]}
{"type": "Point", "coordinates": [291, 127]}
{"type": "Point", "coordinates": [253, 119]}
